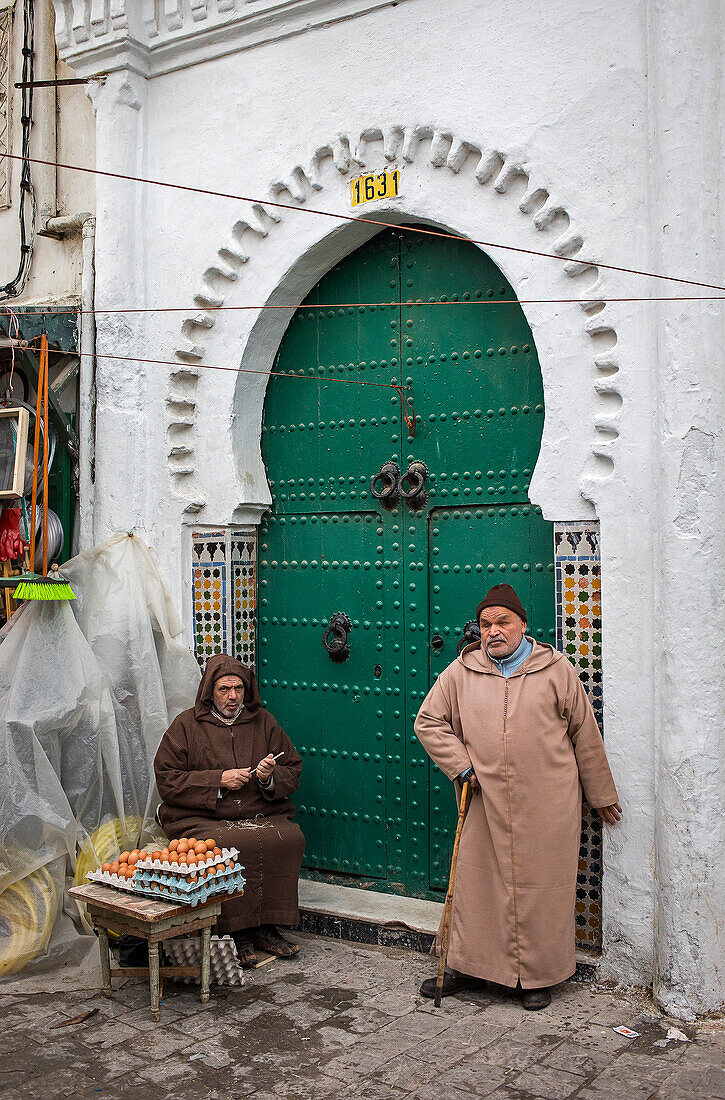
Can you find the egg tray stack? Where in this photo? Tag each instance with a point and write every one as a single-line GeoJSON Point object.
{"type": "Point", "coordinates": [225, 968]}
{"type": "Point", "coordinates": [119, 881]}
{"type": "Point", "coordinates": [173, 881]}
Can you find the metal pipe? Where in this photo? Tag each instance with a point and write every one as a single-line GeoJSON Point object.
{"type": "Point", "coordinates": [65, 224]}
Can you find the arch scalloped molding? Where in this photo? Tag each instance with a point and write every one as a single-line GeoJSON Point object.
{"type": "Point", "coordinates": [399, 143]}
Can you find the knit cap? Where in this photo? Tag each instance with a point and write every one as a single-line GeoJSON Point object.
{"type": "Point", "coordinates": [501, 595]}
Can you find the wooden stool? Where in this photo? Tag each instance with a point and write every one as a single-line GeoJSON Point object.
{"type": "Point", "coordinates": [153, 921]}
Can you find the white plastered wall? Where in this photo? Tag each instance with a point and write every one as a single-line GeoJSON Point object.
{"type": "Point", "coordinates": [483, 135]}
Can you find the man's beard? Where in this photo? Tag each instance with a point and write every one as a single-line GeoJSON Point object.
{"type": "Point", "coordinates": [230, 710]}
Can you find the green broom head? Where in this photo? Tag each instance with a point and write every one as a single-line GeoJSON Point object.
{"type": "Point", "coordinates": [33, 586]}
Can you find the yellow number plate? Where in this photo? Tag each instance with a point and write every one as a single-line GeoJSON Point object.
{"type": "Point", "coordinates": [375, 185]}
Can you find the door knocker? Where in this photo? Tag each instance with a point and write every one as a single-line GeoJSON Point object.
{"type": "Point", "coordinates": [335, 637]}
{"type": "Point", "coordinates": [471, 633]}
{"type": "Point", "coordinates": [415, 478]}
{"type": "Point", "coordinates": [389, 492]}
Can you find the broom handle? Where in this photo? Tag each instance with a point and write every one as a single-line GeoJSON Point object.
{"type": "Point", "coordinates": [445, 934]}
{"type": "Point", "coordinates": [44, 361]}
{"type": "Point", "coordinates": [36, 448]}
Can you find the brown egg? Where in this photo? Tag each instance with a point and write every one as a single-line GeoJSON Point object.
{"type": "Point", "coordinates": [165, 853]}
{"type": "Point", "coordinates": [173, 845]}
{"type": "Point", "coordinates": [123, 858]}
{"type": "Point", "coordinates": [217, 851]}
{"type": "Point", "coordinates": [191, 859]}
{"type": "Point", "coordinates": [182, 859]}
{"type": "Point", "coordinates": [192, 878]}
{"type": "Point", "coordinates": [133, 859]}
{"type": "Point", "coordinates": [229, 866]}
{"type": "Point", "coordinates": [130, 871]}
{"type": "Point", "coordinates": [183, 846]}
{"type": "Point", "coordinates": [143, 855]}
{"type": "Point", "coordinates": [114, 867]}
{"type": "Point", "coordinates": [192, 841]}
{"type": "Point", "coordinates": [211, 871]}
{"type": "Point", "coordinates": [156, 855]}
{"type": "Point", "coordinates": [152, 886]}
{"type": "Point", "coordinates": [106, 867]}
{"type": "Point", "coordinates": [211, 844]}
{"type": "Point", "coordinates": [200, 848]}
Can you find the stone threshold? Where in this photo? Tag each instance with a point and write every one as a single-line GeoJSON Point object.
{"type": "Point", "coordinates": [388, 920]}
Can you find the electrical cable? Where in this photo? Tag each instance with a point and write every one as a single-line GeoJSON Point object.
{"type": "Point", "coordinates": [27, 194]}
{"type": "Point", "coordinates": [584, 302]}
{"type": "Point", "coordinates": [235, 370]}
{"type": "Point", "coordinates": [262, 203]}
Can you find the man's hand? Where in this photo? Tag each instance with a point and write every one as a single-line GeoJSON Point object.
{"type": "Point", "coordinates": [235, 778]}
{"type": "Point", "coordinates": [610, 814]}
{"type": "Point", "coordinates": [266, 767]}
{"type": "Point", "coordinates": [475, 785]}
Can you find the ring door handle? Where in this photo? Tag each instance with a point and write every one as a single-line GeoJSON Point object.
{"type": "Point", "coordinates": [414, 478]}
{"type": "Point", "coordinates": [436, 642]}
{"type": "Point", "coordinates": [388, 491]}
{"type": "Point", "coordinates": [335, 637]}
{"type": "Point", "coordinates": [471, 633]}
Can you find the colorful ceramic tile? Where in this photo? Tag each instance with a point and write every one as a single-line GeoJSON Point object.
{"type": "Point", "coordinates": [223, 567]}
{"type": "Point", "coordinates": [579, 635]}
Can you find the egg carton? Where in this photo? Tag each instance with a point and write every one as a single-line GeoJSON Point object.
{"type": "Point", "coordinates": [112, 880]}
{"type": "Point", "coordinates": [228, 854]}
{"type": "Point", "coordinates": [225, 968]}
{"type": "Point", "coordinates": [156, 884]}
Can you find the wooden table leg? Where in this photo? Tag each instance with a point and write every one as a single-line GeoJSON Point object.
{"type": "Point", "coordinates": [205, 964]}
{"type": "Point", "coordinates": [105, 961]}
{"type": "Point", "coordinates": [154, 980]}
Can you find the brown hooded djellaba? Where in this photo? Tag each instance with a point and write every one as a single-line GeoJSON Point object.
{"type": "Point", "coordinates": [194, 751]}
{"type": "Point", "coordinates": [534, 743]}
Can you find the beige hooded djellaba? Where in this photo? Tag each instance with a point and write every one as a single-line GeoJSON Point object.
{"type": "Point", "coordinates": [534, 743]}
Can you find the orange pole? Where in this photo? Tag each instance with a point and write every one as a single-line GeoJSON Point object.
{"type": "Point", "coordinates": [44, 370]}
{"type": "Point", "coordinates": [36, 448]}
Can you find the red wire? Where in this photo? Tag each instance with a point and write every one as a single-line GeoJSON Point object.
{"type": "Point", "coordinates": [368, 221]}
{"type": "Point", "coordinates": [367, 305]}
{"type": "Point", "coordinates": [236, 370]}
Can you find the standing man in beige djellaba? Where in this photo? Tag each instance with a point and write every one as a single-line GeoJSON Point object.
{"type": "Point", "coordinates": [511, 715]}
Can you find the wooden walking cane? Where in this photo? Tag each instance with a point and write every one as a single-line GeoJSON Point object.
{"type": "Point", "coordinates": [445, 933]}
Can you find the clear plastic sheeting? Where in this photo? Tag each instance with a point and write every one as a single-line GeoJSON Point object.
{"type": "Point", "coordinates": [87, 690]}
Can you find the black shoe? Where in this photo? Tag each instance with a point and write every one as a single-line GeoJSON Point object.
{"type": "Point", "coordinates": [245, 949]}
{"type": "Point", "coordinates": [453, 982]}
{"type": "Point", "coordinates": [268, 938]}
{"type": "Point", "coordinates": [534, 999]}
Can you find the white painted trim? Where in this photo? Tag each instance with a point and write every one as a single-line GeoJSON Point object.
{"type": "Point", "coordinates": [134, 35]}
{"type": "Point", "coordinates": [438, 165]}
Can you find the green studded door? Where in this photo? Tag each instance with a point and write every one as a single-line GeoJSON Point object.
{"type": "Point", "coordinates": [363, 600]}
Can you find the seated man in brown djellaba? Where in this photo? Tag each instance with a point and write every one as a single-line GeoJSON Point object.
{"type": "Point", "coordinates": [217, 776]}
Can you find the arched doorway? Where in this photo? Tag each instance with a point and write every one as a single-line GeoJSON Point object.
{"type": "Point", "coordinates": [408, 577]}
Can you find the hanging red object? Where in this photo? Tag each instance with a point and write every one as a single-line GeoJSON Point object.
{"type": "Point", "coordinates": [12, 546]}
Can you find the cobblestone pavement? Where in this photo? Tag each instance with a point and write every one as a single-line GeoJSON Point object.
{"type": "Point", "coordinates": [343, 1020]}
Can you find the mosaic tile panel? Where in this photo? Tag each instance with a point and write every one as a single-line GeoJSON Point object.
{"type": "Point", "coordinates": [579, 635]}
{"type": "Point", "coordinates": [244, 587]}
{"type": "Point", "coordinates": [223, 579]}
